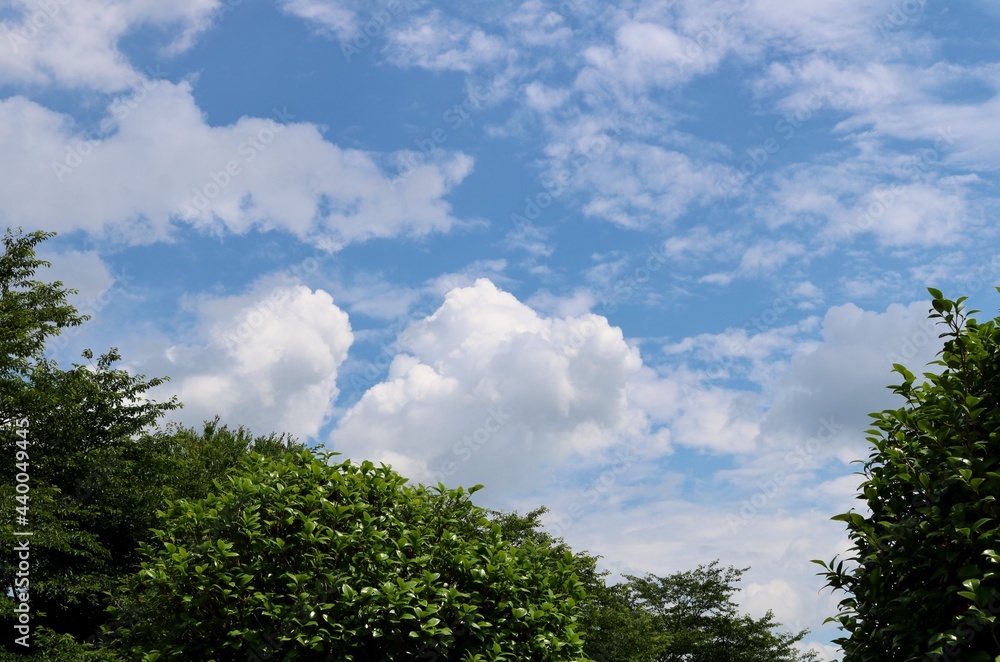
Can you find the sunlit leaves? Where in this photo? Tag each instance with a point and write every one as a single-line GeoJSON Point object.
{"type": "Point", "coordinates": [921, 581]}
{"type": "Point", "coordinates": [346, 561]}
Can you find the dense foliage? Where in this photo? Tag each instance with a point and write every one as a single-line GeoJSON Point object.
{"type": "Point", "coordinates": [922, 580]}
{"type": "Point", "coordinates": [302, 559]}
{"type": "Point", "coordinates": [695, 618]}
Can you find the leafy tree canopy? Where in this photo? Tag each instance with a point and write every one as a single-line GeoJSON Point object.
{"type": "Point", "coordinates": [921, 582]}
{"type": "Point", "coordinates": [301, 559]}
{"type": "Point", "coordinates": [697, 620]}
{"type": "Point", "coordinates": [97, 474]}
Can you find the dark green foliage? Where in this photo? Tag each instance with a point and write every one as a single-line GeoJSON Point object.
{"type": "Point", "coordinates": [97, 477]}
{"type": "Point", "coordinates": [612, 629]}
{"type": "Point", "coordinates": [299, 559]}
{"type": "Point", "coordinates": [73, 419]}
{"type": "Point", "coordinates": [921, 582]}
{"type": "Point", "coordinates": [616, 630]}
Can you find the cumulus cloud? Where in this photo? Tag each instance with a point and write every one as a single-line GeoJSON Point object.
{"type": "Point", "coordinates": [155, 162]}
{"type": "Point", "coordinates": [846, 374]}
{"type": "Point", "coordinates": [268, 359]}
{"type": "Point", "coordinates": [490, 391]}
{"type": "Point", "coordinates": [75, 44]}
{"type": "Point", "coordinates": [83, 271]}
{"type": "Point", "coordinates": [782, 438]}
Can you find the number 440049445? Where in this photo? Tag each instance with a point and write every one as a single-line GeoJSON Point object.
{"type": "Point", "coordinates": [21, 463]}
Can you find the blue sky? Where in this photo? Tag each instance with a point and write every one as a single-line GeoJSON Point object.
{"type": "Point", "coordinates": [647, 264]}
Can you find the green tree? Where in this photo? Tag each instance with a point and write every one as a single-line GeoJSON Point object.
{"type": "Point", "coordinates": [699, 622]}
{"type": "Point", "coordinates": [30, 310]}
{"type": "Point", "coordinates": [613, 630]}
{"type": "Point", "coordinates": [295, 558]}
{"type": "Point", "coordinates": [687, 616]}
{"type": "Point", "coordinates": [57, 426]}
{"type": "Point", "coordinates": [921, 581]}
{"type": "Point", "coordinates": [616, 629]}
{"type": "Point", "coordinates": [97, 473]}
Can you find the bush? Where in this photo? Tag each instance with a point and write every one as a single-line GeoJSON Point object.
{"type": "Point", "coordinates": [296, 558]}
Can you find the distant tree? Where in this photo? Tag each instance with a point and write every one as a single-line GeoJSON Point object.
{"type": "Point", "coordinates": [613, 630]}
{"type": "Point", "coordinates": [687, 616]}
{"type": "Point", "coordinates": [298, 558]}
{"type": "Point", "coordinates": [617, 630]}
{"type": "Point", "coordinates": [695, 614]}
{"type": "Point", "coordinates": [921, 580]}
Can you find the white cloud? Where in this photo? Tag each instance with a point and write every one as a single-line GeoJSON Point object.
{"type": "Point", "coordinates": [896, 197]}
{"type": "Point", "coordinates": [820, 26]}
{"type": "Point", "coordinates": [790, 441]}
{"type": "Point", "coordinates": [491, 392]}
{"type": "Point", "coordinates": [845, 376]}
{"type": "Point", "coordinates": [436, 43]}
{"type": "Point", "coordinates": [740, 391]}
{"type": "Point", "coordinates": [767, 256]}
{"type": "Point", "coordinates": [338, 16]}
{"type": "Point", "coordinates": [644, 55]}
{"type": "Point", "coordinates": [637, 184]}
{"type": "Point", "coordinates": [75, 44]}
{"type": "Point", "coordinates": [267, 359]}
{"type": "Point", "coordinates": [917, 214]}
{"type": "Point", "coordinates": [544, 99]}
{"type": "Point", "coordinates": [536, 24]}
{"type": "Point", "coordinates": [83, 271]}
{"type": "Point", "coordinates": [160, 164]}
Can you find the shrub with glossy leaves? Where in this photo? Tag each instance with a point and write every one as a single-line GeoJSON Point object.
{"type": "Point", "coordinates": [922, 581]}
{"type": "Point", "coordinates": [296, 558]}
